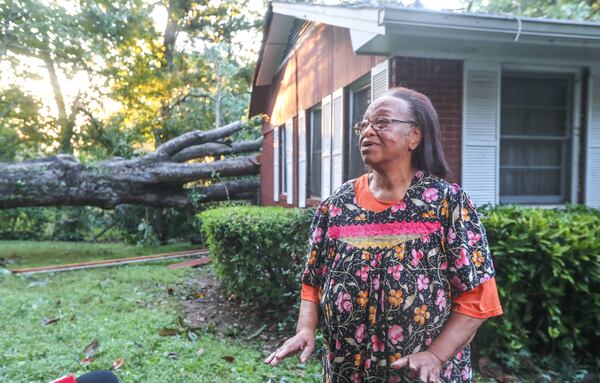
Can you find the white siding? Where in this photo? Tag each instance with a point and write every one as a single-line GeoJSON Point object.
{"type": "Point", "coordinates": [592, 171]}
{"type": "Point", "coordinates": [302, 159]}
{"type": "Point", "coordinates": [337, 143]}
{"type": "Point", "coordinates": [276, 164]}
{"type": "Point", "coordinates": [289, 160]}
{"type": "Point", "coordinates": [481, 131]}
{"type": "Point", "coordinates": [379, 80]}
{"type": "Point", "coordinates": [326, 147]}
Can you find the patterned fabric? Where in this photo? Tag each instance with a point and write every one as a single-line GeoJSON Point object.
{"type": "Point", "coordinates": [386, 279]}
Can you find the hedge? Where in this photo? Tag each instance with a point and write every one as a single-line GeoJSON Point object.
{"type": "Point", "coordinates": [547, 263]}
{"type": "Point", "coordinates": [548, 275]}
{"type": "Point", "coordinates": [258, 251]}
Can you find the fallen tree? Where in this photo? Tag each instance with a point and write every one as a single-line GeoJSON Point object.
{"type": "Point", "coordinates": [156, 179]}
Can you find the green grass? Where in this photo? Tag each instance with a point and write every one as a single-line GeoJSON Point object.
{"type": "Point", "coordinates": [124, 308]}
{"type": "Point", "coordinates": [21, 254]}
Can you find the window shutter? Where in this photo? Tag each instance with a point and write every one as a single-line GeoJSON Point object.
{"type": "Point", "coordinates": [481, 130]}
{"type": "Point", "coordinates": [289, 160]}
{"type": "Point", "coordinates": [379, 80]}
{"type": "Point", "coordinates": [592, 171]}
{"type": "Point", "coordinates": [325, 147]}
{"type": "Point", "coordinates": [337, 142]}
{"type": "Point", "coordinates": [276, 164]}
{"type": "Point", "coordinates": [302, 159]}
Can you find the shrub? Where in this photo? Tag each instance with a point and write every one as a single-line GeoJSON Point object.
{"type": "Point", "coordinates": [259, 252]}
{"type": "Point", "coordinates": [548, 276]}
{"type": "Point", "coordinates": [547, 263]}
{"type": "Point", "coordinates": [33, 223]}
{"type": "Point", "coordinates": [130, 223]}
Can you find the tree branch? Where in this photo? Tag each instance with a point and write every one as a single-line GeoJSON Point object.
{"type": "Point", "coordinates": [182, 99]}
{"type": "Point", "coordinates": [215, 149]}
{"type": "Point", "coordinates": [197, 137]}
{"type": "Point", "coordinates": [150, 180]}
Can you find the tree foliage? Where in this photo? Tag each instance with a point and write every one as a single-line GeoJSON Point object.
{"type": "Point", "coordinates": [586, 10]}
{"type": "Point", "coordinates": [142, 85]}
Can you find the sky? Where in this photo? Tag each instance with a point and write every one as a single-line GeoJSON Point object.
{"type": "Point", "coordinates": [41, 88]}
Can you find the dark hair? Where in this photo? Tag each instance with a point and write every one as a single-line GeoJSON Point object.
{"type": "Point", "coordinates": [429, 155]}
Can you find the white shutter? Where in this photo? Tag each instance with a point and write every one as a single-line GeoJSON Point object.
{"type": "Point", "coordinates": [302, 159]}
{"type": "Point", "coordinates": [379, 80]}
{"type": "Point", "coordinates": [481, 131]}
{"type": "Point", "coordinates": [592, 171]}
{"type": "Point", "coordinates": [289, 160]}
{"type": "Point", "coordinates": [276, 164]}
{"type": "Point", "coordinates": [337, 139]}
{"type": "Point", "coordinates": [325, 147]}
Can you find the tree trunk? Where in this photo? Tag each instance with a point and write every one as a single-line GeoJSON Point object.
{"type": "Point", "coordinates": [155, 179]}
{"type": "Point", "coordinates": [66, 128]}
{"type": "Point", "coordinates": [171, 31]}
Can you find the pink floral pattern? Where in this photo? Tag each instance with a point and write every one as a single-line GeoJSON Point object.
{"type": "Point", "coordinates": [370, 296]}
{"type": "Point", "coordinates": [343, 302]}
{"type": "Point", "coordinates": [395, 334]}
{"type": "Point", "coordinates": [422, 282]}
{"type": "Point", "coordinates": [430, 195]}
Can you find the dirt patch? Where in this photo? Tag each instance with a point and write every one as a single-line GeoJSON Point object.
{"type": "Point", "coordinates": [206, 306]}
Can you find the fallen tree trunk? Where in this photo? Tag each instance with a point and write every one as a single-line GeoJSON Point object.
{"type": "Point", "coordinates": [156, 179]}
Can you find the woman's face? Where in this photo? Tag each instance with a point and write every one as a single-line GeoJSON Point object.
{"type": "Point", "coordinates": [391, 144]}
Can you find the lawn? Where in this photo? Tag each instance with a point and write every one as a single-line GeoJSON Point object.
{"type": "Point", "coordinates": [21, 254]}
{"type": "Point", "coordinates": [124, 308]}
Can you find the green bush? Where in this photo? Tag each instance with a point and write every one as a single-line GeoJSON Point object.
{"type": "Point", "coordinates": [548, 275]}
{"type": "Point", "coordinates": [259, 252]}
{"type": "Point", "coordinates": [33, 223]}
{"type": "Point", "coordinates": [128, 223]}
{"type": "Point", "coordinates": [547, 263]}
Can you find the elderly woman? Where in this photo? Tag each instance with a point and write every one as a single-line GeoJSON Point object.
{"type": "Point", "coordinates": [399, 265]}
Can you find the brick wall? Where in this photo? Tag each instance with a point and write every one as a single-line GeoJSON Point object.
{"type": "Point", "coordinates": [441, 81]}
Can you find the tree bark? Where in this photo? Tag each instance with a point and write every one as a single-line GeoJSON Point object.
{"type": "Point", "coordinates": [156, 179]}
{"type": "Point", "coordinates": [66, 128]}
{"type": "Point", "coordinates": [171, 31]}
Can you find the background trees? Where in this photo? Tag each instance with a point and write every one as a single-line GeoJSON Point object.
{"type": "Point", "coordinates": [102, 79]}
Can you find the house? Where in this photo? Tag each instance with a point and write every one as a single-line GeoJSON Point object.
{"type": "Point", "coordinates": [518, 98]}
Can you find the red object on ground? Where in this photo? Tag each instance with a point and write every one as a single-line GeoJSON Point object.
{"type": "Point", "coordinates": [192, 263]}
{"type": "Point", "coordinates": [109, 262]}
{"type": "Point", "coordinates": [65, 379]}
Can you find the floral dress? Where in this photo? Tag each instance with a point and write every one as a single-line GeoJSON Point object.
{"type": "Point", "coordinates": [386, 280]}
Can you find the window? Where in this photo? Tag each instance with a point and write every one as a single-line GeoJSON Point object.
{"type": "Point", "coordinates": [314, 131]}
{"type": "Point", "coordinates": [282, 160]}
{"type": "Point", "coordinates": [360, 98]}
{"type": "Point", "coordinates": [535, 138]}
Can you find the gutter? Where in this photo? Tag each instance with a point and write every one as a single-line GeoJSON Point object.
{"type": "Point", "coordinates": [445, 22]}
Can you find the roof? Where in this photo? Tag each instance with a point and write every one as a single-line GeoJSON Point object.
{"type": "Point", "coordinates": [392, 30]}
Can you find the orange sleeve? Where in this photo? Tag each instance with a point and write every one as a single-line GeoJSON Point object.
{"type": "Point", "coordinates": [309, 293]}
{"type": "Point", "coordinates": [479, 302]}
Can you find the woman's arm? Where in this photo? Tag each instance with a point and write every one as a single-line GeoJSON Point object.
{"type": "Point", "coordinates": [456, 334]}
{"type": "Point", "coordinates": [304, 340]}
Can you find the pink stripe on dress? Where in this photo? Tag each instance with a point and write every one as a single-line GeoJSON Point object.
{"type": "Point", "coordinates": [378, 229]}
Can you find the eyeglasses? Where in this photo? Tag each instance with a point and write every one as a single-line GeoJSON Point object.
{"type": "Point", "coordinates": [379, 124]}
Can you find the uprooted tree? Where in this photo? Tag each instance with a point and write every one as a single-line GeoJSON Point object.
{"type": "Point", "coordinates": [156, 179]}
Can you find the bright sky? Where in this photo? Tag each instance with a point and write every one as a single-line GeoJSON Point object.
{"type": "Point", "coordinates": [40, 86]}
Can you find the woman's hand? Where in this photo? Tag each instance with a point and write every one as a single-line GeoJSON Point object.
{"type": "Point", "coordinates": [426, 365]}
{"type": "Point", "coordinates": [304, 341]}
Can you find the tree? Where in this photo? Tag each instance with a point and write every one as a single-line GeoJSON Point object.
{"type": "Point", "coordinates": [156, 179]}
{"type": "Point", "coordinates": [67, 38]}
{"type": "Point", "coordinates": [557, 9]}
{"type": "Point", "coordinates": [23, 131]}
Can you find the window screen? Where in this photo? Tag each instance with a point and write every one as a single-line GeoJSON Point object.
{"type": "Point", "coordinates": [535, 138]}
{"type": "Point", "coordinates": [282, 160]}
{"type": "Point", "coordinates": [359, 101]}
{"type": "Point", "coordinates": [315, 151]}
